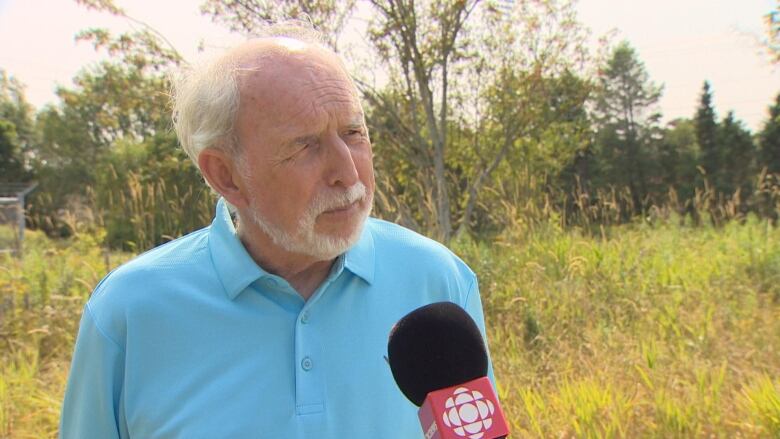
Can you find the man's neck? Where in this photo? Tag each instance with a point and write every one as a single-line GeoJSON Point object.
{"type": "Point", "coordinates": [304, 273]}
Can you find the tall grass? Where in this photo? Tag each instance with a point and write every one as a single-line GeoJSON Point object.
{"type": "Point", "coordinates": [9, 237]}
{"type": "Point", "coordinates": [140, 213]}
{"type": "Point", "coordinates": [642, 331]}
{"type": "Point", "coordinates": [649, 329]}
{"type": "Point", "coordinates": [41, 297]}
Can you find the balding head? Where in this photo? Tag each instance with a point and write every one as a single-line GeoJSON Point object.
{"type": "Point", "coordinates": [281, 55]}
{"type": "Point", "coordinates": [271, 72]}
{"type": "Point", "coordinates": [207, 96]}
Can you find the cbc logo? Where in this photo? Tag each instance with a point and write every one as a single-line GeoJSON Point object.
{"type": "Point", "coordinates": [468, 413]}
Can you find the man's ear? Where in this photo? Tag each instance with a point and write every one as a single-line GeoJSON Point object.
{"type": "Point", "coordinates": [220, 172]}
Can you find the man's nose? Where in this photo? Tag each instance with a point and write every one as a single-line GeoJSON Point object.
{"type": "Point", "coordinates": [340, 163]}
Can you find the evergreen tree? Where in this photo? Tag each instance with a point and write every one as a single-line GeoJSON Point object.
{"type": "Point", "coordinates": [677, 158]}
{"type": "Point", "coordinates": [707, 136]}
{"type": "Point", "coordinates": [769, 140]}
{"type": "Point", "coordinates": [737, 156]}
{"type": "Point", "coordinates": [627, 123]}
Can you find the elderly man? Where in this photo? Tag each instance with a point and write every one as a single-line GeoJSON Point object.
{"type": "Point", "coordinates": [272, 323]}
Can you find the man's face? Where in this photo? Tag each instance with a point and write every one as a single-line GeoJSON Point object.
{"type": "Point", "coordinates": [307, 160]}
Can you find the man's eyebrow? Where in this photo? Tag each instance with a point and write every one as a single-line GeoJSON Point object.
{"type": "Point", "coordinates": [357, 121]}
{"type": "Point", "coordinates": [355, 126]}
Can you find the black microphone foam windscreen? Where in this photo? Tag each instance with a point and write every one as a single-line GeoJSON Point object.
{"type": "Point", "coordinates": [434, 347]}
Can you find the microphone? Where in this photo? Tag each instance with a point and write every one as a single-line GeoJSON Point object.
{"type": "Point", "coordinates": [439, 361]}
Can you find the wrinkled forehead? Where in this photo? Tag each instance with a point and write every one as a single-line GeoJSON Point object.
{"type": "Point", "coordinates": [270, 74]}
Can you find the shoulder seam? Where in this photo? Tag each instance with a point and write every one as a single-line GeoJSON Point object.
{"type": "Point", "coordinates": [88, 310]}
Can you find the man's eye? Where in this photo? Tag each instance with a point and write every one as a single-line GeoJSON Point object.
{"type": "Point", "coordinates": [303, 146]}
{"type": "Point", "coordinates": [297, 150]}
{"type": "Point", "coordinates": [354, 132]}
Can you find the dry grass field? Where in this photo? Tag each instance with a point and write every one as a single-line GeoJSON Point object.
{"type": "Point", "coordinates": [642, 331]}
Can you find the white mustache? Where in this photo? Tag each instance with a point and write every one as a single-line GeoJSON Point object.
{"type": "Point", "coordinates": [338, 200]}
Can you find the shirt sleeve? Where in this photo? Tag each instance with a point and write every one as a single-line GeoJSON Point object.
{"type": "Point", "coordinates": [473, 306]}
{"type": "Point", "coordinates": [91, 408]}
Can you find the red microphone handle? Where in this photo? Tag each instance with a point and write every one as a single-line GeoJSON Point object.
{"type": "Point", "coordinates": [466, 411]}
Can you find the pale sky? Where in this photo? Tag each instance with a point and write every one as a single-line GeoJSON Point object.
{"type": "Point", "coordinates": [682, 43]}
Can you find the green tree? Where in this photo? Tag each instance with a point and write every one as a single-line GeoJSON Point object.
{"type": "Point", "coordinates": [769, 140]}
{"type": "Point", "coordinates": [677, 158]}
{"type": "Point", "coordinates": [707, 137]}
{"type": "Point", "coordinates": [17, 131]}
{"type": "Point", "coordinates": [470, 89]}
{"type": "Point", "coordinates": [112, 107]}
{"type": "Point", "coordinates": [110, 102]}
{"type": "Point", "coordinates": [11, 166]}
{"type": "Point", "coordinates": [738, 156]}
{"type": "Point", "coordinates": [626, 117]}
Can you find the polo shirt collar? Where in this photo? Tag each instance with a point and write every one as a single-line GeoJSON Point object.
{"type": "Point", "coordinates": [236, 269]}
{"type": "Point", "coordinates": [360, 258]}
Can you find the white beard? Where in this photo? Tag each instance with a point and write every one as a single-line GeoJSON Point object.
{"type": "Point", "coordinates": [305, 240]}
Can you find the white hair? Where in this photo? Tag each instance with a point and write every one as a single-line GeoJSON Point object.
{"type": "Point", "coordinates": [205, 103]}
{"type": "Point", "coordinates": [206, 95]}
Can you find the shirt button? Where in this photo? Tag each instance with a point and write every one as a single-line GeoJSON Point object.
{"type": "Point", "coordinates": [305, 317]}
{"type": "Point", "coordinates": [307, 364]}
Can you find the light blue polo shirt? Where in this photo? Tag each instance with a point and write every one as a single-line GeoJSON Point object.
{"type": "Point", "coordinates": [194, 340]}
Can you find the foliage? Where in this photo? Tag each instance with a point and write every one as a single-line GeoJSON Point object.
{"type": "Point", "coordinates": [644, 330]}
{"type": "Point", "coordinates": [769, 140]}
{"type": "Point", "coordinates": [627, 122]}
{"type": "Point", "coordinates": [111, 104]}
{"type": "Point", "coordinates": [17, 130]}
{"type": "Point", "coordinates": [9, 236]}
{"type": "Point", "coordinates": [479, 100]}
{"type": "Point", "coordinates": [737, 156]}
{"type": "Point", "coordinates": [486, 95]}
{"type": "Point", "coordinates": [678, 157]}
{"type": "Point", "coordinates": [249, 16]}
{"type": "Point", "coordinates": [15, 109]}
{"type": "Point", "coordinates": [707, 137]}
{"type": "Point", "coordinates": [41, 297]}
{"type": "Point", "coordinates": [648, 329]}
{"type": "Point", "coordinates": [762, 400]}
{"type": "Point", "coordinates": [471, 88]}
{"type": "Point", "coordinates": [115, 105]}
{"type": "Point", "coordinates": [144, 47]}
{"type": "Point", "coordinates": [150, 193]}
{"type": "Point", "coordinates": [660, 327]}
{"type": "Point", "coordinates": [11, 160]}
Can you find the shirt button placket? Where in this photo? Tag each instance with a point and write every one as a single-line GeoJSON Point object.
{"type": "Point", "coordinates": [309, 394]}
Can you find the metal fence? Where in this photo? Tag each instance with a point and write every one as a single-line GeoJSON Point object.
{"type": "Point", "coordinates": [12, 216]}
